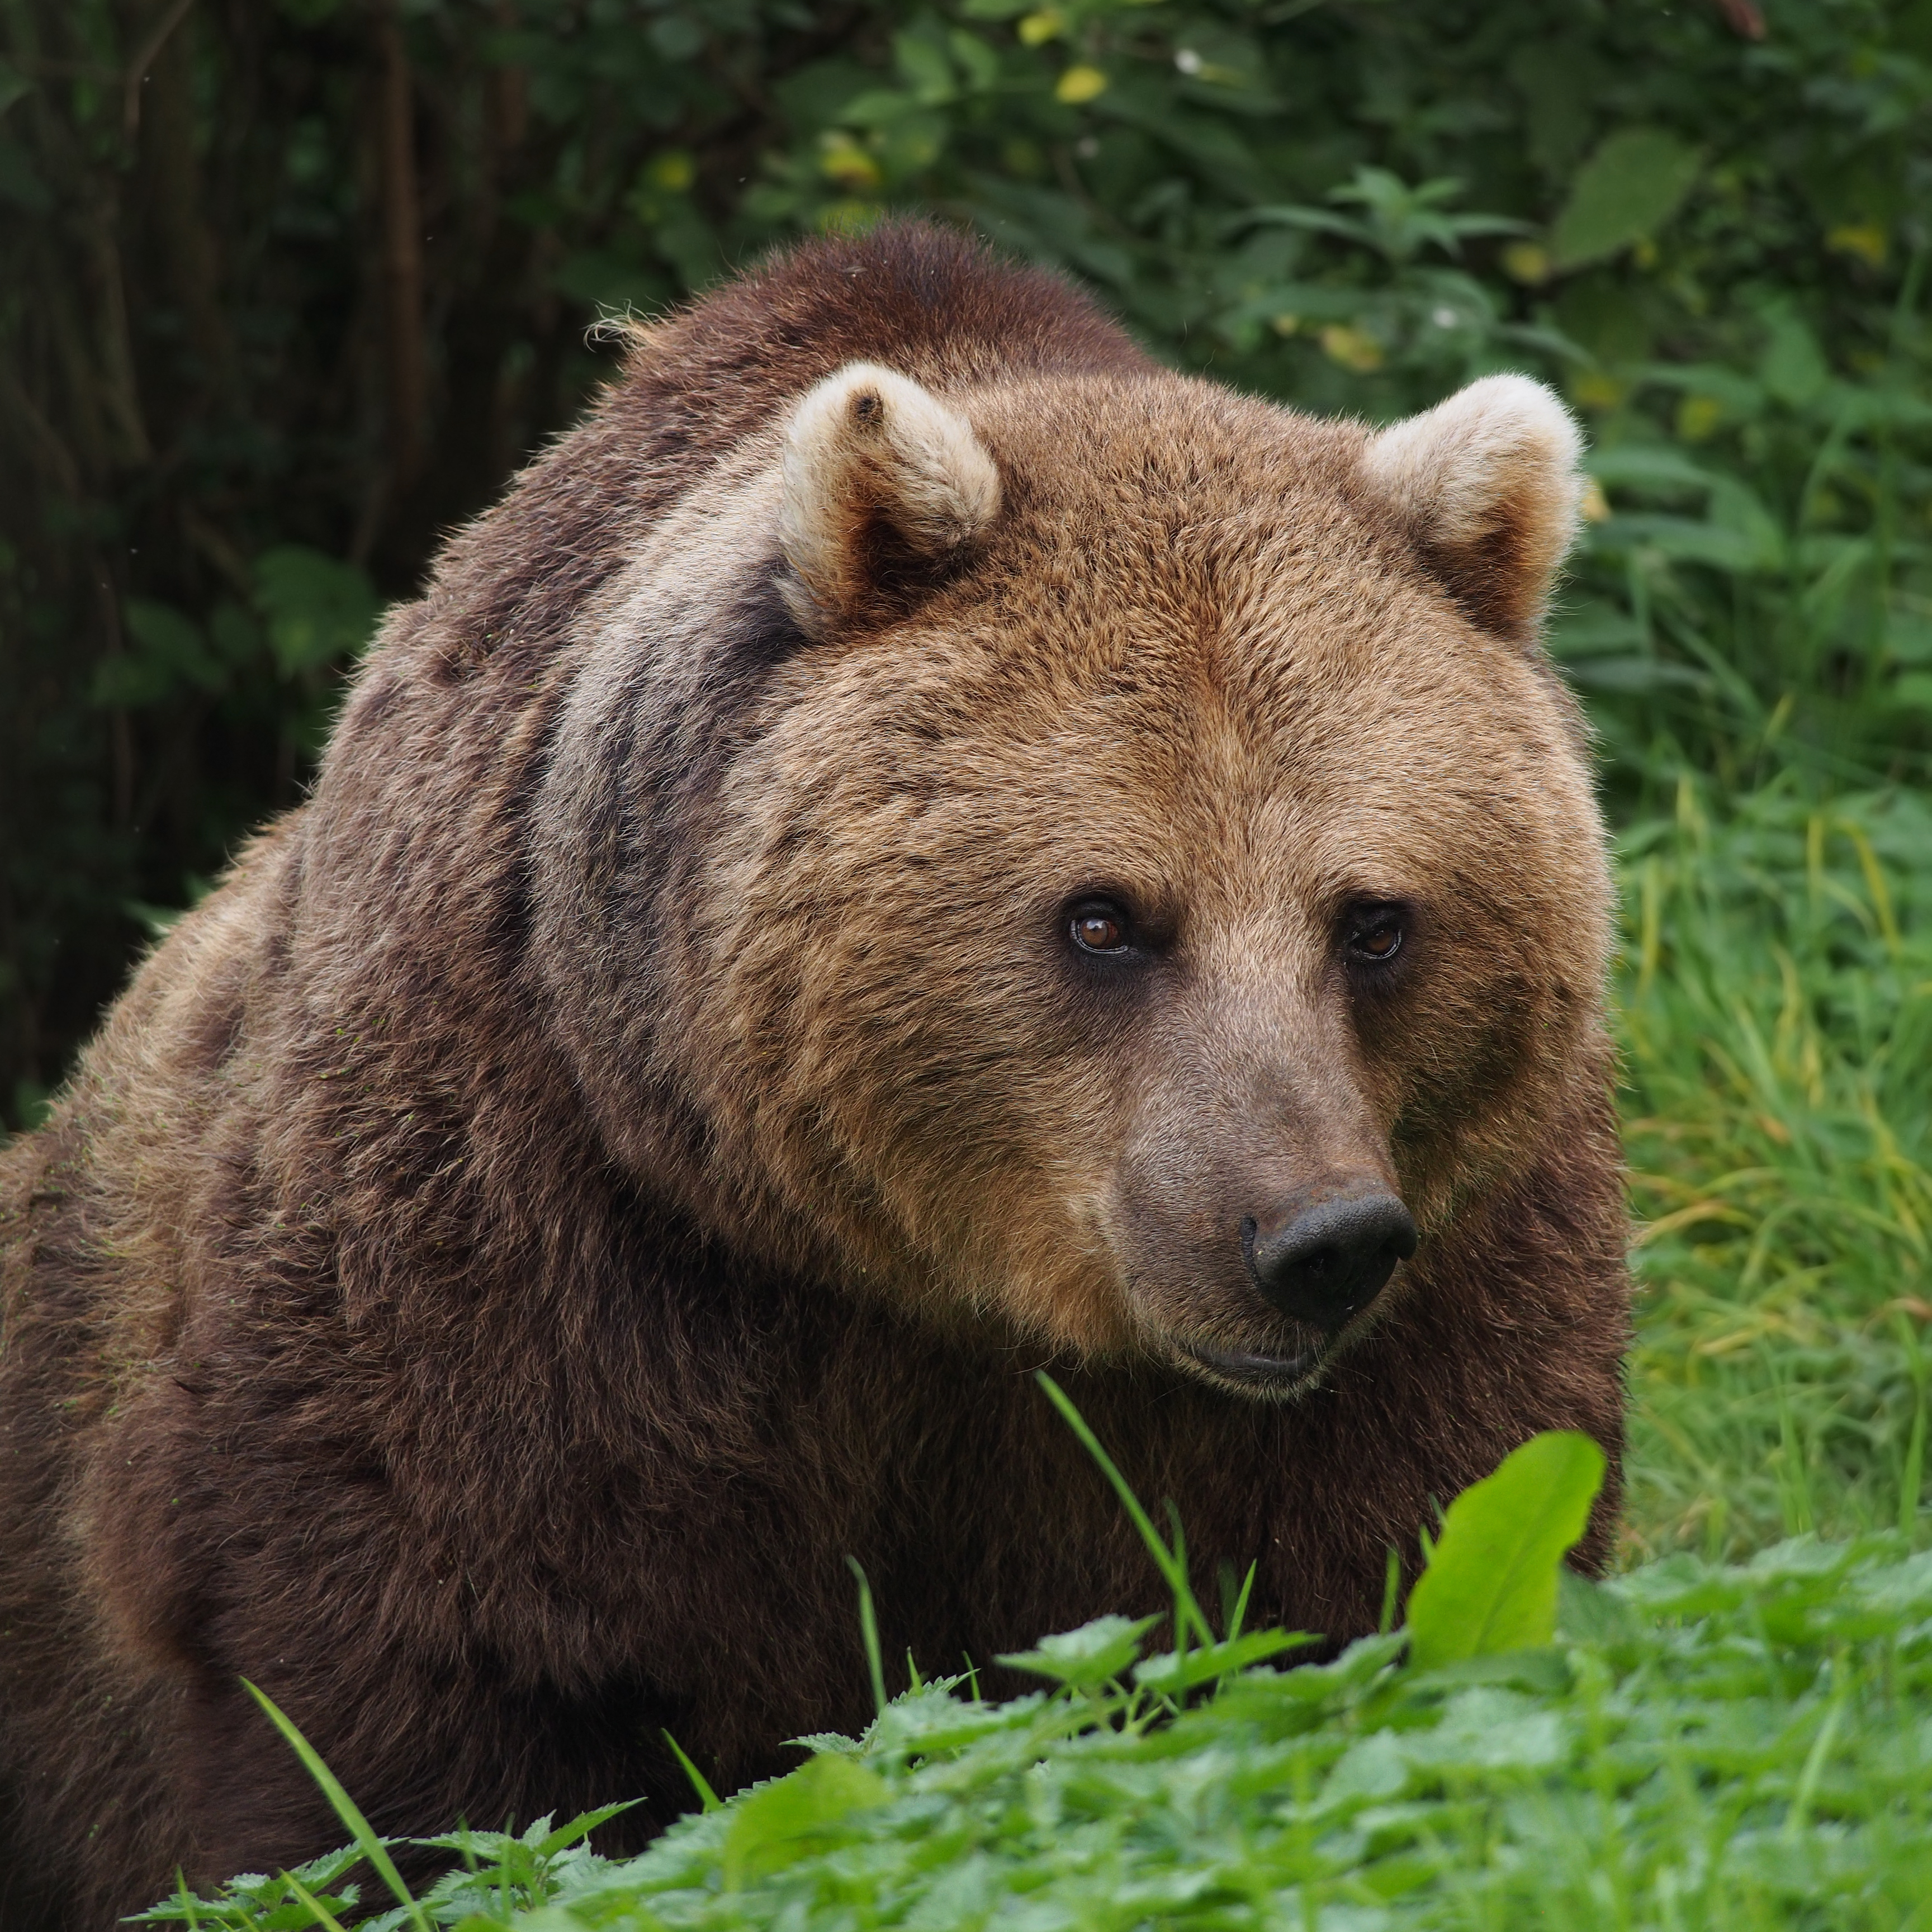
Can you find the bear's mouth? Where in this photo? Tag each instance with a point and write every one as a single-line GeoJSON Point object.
{"type": "Point", "coordinates": [1248, 1373]}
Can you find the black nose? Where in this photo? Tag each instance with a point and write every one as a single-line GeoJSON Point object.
{"type": "Point", "coordinates": [1328, 1263]}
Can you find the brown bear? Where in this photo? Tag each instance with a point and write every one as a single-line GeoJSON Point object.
{"type": "Point", "coordinates": [915, 844]}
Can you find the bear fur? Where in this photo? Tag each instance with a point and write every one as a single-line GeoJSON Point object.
{"type": "Point", "coordinates": [624, 1143]}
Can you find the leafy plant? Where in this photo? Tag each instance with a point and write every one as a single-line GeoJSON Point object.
{"type": "Point", "coordinates": [317, 611]}
{"type": "Point", "coordinates": [1691, 1721]}
{"type": "Point", "coordinates": [796, 1817]}
{"type": "Point", "coordinates": [1490, 1583]}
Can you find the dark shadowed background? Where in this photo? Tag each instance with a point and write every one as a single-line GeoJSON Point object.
{"type": "Point", "coordinates": [290, 286]}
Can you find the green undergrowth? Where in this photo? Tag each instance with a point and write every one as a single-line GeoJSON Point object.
{"type": "Point", "coordinates": [1689, 1744]}
{"type": "Point", "coordinates": [1777, 1024]}
{"type": "Point", "coordinates": [1709, 1746]}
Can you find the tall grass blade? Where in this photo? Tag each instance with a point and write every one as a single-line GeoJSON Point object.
{"type": "Point", "coordinates": [1814, 1768]}
{"type": "Point", "coordinates": [708, 1799]}
{"type": "Point", "coordinates": [358, 1826]}
{"type": "Point", "coordinates": [323, 1917]}
{"type": "Point", "coordinates": [1236, 1619]}
{"type": "Point", "coordinates": [185, 1899]}
{"type": "Point", "coordinates": [1911, 1479]}
{"type": "Point", "coordinates": [1187, 1613]}
{"type": "Point", "coordinates": [1391, 1591]}
{"type": "Point", "coordinates": [868, 1630]}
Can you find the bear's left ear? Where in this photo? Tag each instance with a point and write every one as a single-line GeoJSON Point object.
{"type": "Point", "coordinates": [1487, 487]}
{"type": "Point", "coordinates": [883, 485]}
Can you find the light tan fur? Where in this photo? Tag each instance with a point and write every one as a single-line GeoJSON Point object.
{"type": "Point", "coordinates": [1488, 480]}
{"type": "Point", "coordinates": [869, 446]}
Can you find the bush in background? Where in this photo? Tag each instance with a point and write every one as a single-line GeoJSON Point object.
{"type": "Point", "coordinates": [293, 287]}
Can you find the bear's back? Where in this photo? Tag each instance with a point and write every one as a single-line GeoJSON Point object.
{"type": "Point", "coordinates": [933, 304]}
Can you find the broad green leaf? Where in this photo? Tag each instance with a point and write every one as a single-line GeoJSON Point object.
{"type": "Point", "coordinates": [1486, 1728]}
{"type": "Point", "coordinates": [1491, 1585]}
{"type": "Point", "coordinates": [790, 1820]}
{"type": "Point", "coordinates": [317, 608]}
{"type": "Point", "coordinates": [165, 637]}
{"type": "Point", "coordinates": [167, 653]}
{"type": "Point", "coordinates": [1793, 366]}
{"type": "Point", "coordinates": [1173, 1671]}
{"type": "Point", "coordinates": [924, 67]}
{"type": "Point", "coordinates": [1689, 540]}
{"type": "Point", "coordinates": [1628, 190]}
{"type": "Point", "coordinates": [676, 36]}
{"type": "Point", "coordinates": [1094, 1655]}
{"type": "Point", "coordinates": [978, 61]}
{"type": "Point", "coordinates": [1651, 467]}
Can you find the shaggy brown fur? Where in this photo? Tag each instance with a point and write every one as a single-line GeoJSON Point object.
{"type": "Point", "coordinates": [623, 1144]}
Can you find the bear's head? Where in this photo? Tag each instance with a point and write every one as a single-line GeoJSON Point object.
{"type": "Point", "coordinates": [1089, 856]}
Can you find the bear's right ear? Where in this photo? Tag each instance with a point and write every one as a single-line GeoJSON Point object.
{"type": "Point", "coordinates": [882, 482]}
{"type": "Point", "coordinates": [1487, 487]}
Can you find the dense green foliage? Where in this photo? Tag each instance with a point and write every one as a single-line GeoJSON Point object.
{"type": "Point", "coordinates": [1692, 1745]}
{"type": "Point", "coordinates": [292, 284]}
{"type": "Point", "coordinates": [1778, 1029]}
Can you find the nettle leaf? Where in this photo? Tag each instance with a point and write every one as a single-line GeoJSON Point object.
{"type": "Point", "coordinates": [1491, 1584]}
{"type": "Point", "coordinates": [1595, 1613]}
{"type": "Point", "coordinates": [931, 1722]}
{"type": "Point", "coordinates": [781, 1822]}
{"type": "Point", "coordinates": [1173, 1671]}
{"type": "Point", "coordinates": [1488, 1729]}
{"type": "Point", "coordinates": [1086, 1658]}
{"type": "Point", "coordinates": [1628, 189]}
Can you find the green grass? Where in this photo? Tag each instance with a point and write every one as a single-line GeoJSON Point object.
{"type": "Point", "coordinates": [1778, 1031]}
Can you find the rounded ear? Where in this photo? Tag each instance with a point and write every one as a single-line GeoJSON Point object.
{"type": "Point", "coordinates": [882, 483]}
{"type": "Point", "coordinates": [1487, 486]}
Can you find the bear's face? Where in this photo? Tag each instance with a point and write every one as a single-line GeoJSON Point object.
{"type": "Point", "coordinates": [1147, 903]}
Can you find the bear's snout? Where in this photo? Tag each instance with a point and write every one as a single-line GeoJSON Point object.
{"type": "Point", "coordinates": [1323, 1262]}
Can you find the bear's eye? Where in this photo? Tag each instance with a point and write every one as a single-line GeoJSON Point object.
{"type": "Point", "coordinates": [1374, 936]}
{"type": "Point", "coordinates": [1098, 926]}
